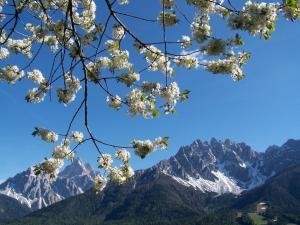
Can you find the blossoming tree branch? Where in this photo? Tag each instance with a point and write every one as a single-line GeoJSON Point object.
{"type": "Point", "coordinates": [87, 48]}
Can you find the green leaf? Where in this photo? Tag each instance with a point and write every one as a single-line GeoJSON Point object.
{"type": "Point", "coordinates": [165, 139]}
{"type": "Point", "coordinates": [155, 112]}
{"type": "Point", "coordinates": [291, 3]}
{"type": "Point", "coordinates": [185, 95]}
{"type": "Point", "coordinates": [239, 40]}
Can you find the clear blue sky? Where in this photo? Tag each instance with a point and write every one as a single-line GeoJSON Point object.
{"type": "Point", "coordinates": [261, 110]}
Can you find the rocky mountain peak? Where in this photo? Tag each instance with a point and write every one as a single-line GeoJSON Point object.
{"type": "Point", "coordinates": [77, 168]}
{"type": "Point", "coordinates": [234, 166]}
{"type": "Point", "coordinates": [39, 191]}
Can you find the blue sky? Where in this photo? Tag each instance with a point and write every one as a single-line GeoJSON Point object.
{"type": "Point", "coordinates": [261, 110]}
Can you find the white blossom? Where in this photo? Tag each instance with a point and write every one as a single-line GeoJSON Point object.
{"type": "Point", "coordinates": [187, 61]}
{"type": "Point", "coordinates": [255, 18]}
{"type": "Point", "coordinates": [143, 148]}
{"type": "Point", "coordinates": [77, 136]}
{"type": "Point", "coordinates": [49, 167]}
{"type": "Point", "coordinates": [45, 134]}
{"type": "Point", "coordinates": [231, 65]}
{"type": "Point", "coordinates": [63, 151]}
{"type": "Point", "coordinates": [36, 76]}
{"type": "Point", "coordinates": [35, 95]}
{"type": "Point", "coordinates": [99, 183]}
{"type": "Point", "coordinates": [122, 154]}
{"type": "Point", "coordinates": [186, 41]}
{"type": "Point", "coordinates": [214, 47]}
{"type": "Point", "coordinates": [116, 175]}
{"type": "Point", "coordinates": [20, 46]}
{"type": "Point", "coordinates": [92, 71]}
{"type": "Point", "coordinates": [207, 7]}
{"type": "Point", "coordinates": [114, 102]}
{"type": "Point", "coordinates": [72, 86]}
{"type": "Point", "coordinates": [129, 78]}
{"type": "Point", "coordinates": [103, 62]}
{"type": "Point", "coordinates": [123, 2]}
{"type": "Point", "coordinates": [4, 53]}
{"type": "Point", "coordinates": [127, 171]}
{"type": "Point", "coordinates": [138, 104]}
{"type": "Point", "coordinates": [151, 87]}
{"type": "Point", "coordinates": [171, 94]}
{"type": "Point", "coordinates": [119, 61]}
{"type": "Point", "coordinates": [105, 161]}
{"type": "Point", "coordinates": [118, 32]}
{"type": "Point", "coordinates": [168, 18]}
{"type": "Point", "coordinates": [11, 74]}
{"type": "Point", "coordinates": [201, 29]}
{"type": "Point", "coordinates": [112, 46]}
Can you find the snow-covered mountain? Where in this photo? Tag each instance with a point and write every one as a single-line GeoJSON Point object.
{"type": "Point", "coordinates": [216, 166]}
{"type": "Point", "coordinates": [37, 192]}
{"type": "Point", "coordinates": [227, 167]}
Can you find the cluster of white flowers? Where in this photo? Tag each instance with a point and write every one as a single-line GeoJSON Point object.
{"type": "Point", "coordinates": [88, 16]}
{"type": "Point", "coordinates": [103, 62]}
{"type": "Point", "coordinates": [143, 148]}
{"type": "Point", "coordinates": [63, 151]}
{"type": "Point", "coordinates": [112, 46]}
{"type": "Point", "coordinates": [207, 7]}
{"type": "Point", "coordinates": [92, 71]}
{"type": "Point", "coordinates": [20, 46]}
{"type": "Point", "coordinates": [77, 136]}
{"type": "Point", "coordinates": [4, 53]}
{"type": "Point", "coordinates": [49, 167]}
{"type": "Point", "coordinates": [52, 41]}
{"type": "Point", "coordinates": [117, 175]}
{"type": "Point", "coordinates": [118, 32]}
{"type": "Point", "coordinates": [157, 60]}
{"type": "Point", "coordinates": [123, 155]}
{"type": "Point", "coordinates": [37, 95]}
{"type": "Point", "coordinates": [45, 134]}
{"type": "Point", "coordinates": [11, 74]}
{"type": "Point", "coordinates": [105, 161]}
{"type": "Point", "coordinates": [36, 76]}
{"type": "Point", "coordinates": [171, 94]}
{"type": "Point", "coordinates": [186, 41]}
{"type": "Point", "coordinates": [123, 2]}
{"type": "Point", "coordinates": [99, 183]}
{"type": "Point", "coordinates": [151, 87]}
{"type": "Point", "coordinates": [141, 104]}
{"type": "Point", "coordinates": [60, 152]}
{"type": "Point", "coordinates": [187, 61]}
{"type": "Point", "coordinates": [201, 29]}
{"type": "Point", "coordinates": [72, 86]}
{"type": "Point", "coordinates": [119, 60]}
{"type": "Point", "coordinates": [129, 78]}
{"type": "Point", "coordinates": [168, 18]}
{"type": "Point", "coordinates": [138, 104]}
{"type": "Point", "coordinates": [255, 18]}
{"type": "Point", "coordinates": [292, 10]}
{"type": "Point", "coordinates": [114, 102]}
{"type": "Point", "coordinates": [214, 47]}
{"type": "Point", "coordinates": [231, 65]}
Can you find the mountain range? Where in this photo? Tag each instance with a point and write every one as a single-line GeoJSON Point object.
{"type": "Point", "coordinates": [196, 186]}
{"type": "Point", "coordinates": [37, 192]}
